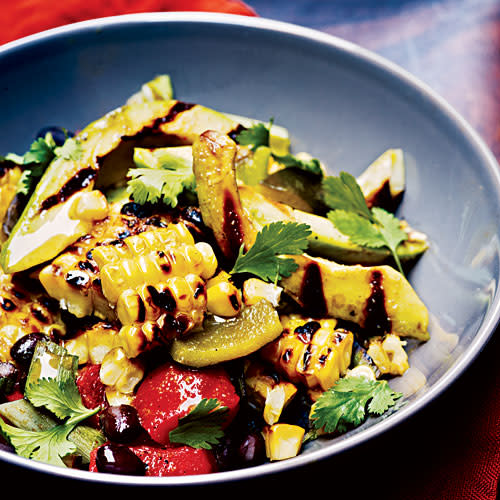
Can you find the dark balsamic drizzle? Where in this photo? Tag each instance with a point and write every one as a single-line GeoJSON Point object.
{"type": "Point", "coordinates": [377, 321]}
{"type": "Point", "coordinates": [312, 296]}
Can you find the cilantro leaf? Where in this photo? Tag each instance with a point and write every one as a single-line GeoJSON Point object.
{"type": "Point", "coordinates": [160, 176]}
{"type": "Point", "coordinates": [344, 193]}
{"type": "Point", "coordinates": [258, 135]}
{"type": "Point", "coordinates": [350, 401]}
{"type": "Point", "coordinates": [47, 446]}
{"type": "Point", "coordinates": [265, 257]}
{"type": "Point", "coordinates": [202, 426]}
{"type": "Point", "coordinates": [61, 397]}
{"type": "Point", "coordinates": [255, 136]}
{"type": "Point", "coordinates": [372, 228]}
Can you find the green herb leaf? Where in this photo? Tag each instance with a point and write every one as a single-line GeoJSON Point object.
{"type": "Point", "coordinates": [344, 193]}
{"type": "Point", "coordinates": [202, 426]}
{"type": "Point", "coordinates": [372, 228]}
{"type": "Point", "coordinates": [265, 257]}
{"type": "Point", "coordinates": [255, 136]}
{"type": "Point", "coordinates": [312, 166]}
{"type": "Point", "coordinates": [47, 446]}
{"type": "Point", "coordinates": [160, 177]}
{"type": "Point", "coordinates": [350, 401]}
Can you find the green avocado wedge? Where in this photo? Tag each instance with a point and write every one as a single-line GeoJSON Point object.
{"type": "Point", "coordinates": [325, 239]}
{"type": "Point", "coordinates": [48, 224]}
{"type": "Point", "coordinates": [377, 298]}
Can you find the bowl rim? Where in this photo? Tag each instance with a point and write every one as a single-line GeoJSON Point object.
{"type": "Point", "coordinates": [364, 56]}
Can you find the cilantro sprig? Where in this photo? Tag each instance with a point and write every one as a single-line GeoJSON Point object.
{"type": "Point", "coordinates": [265, 258]}
{"type": "Point", "coordinates": [369, 227]}
{"type": "Point", "coordinates": [258, 136]}
{"type": "Point", "coordinates": [159, 176]}
{"type": "Point", "coordinates": [60, 396]}
{"type": "Point", "coordinates": [41, 153]}
{"type": "Point", "coordinates": [202, 426]}
{"type": "Point", "coordinates": [349, 402]}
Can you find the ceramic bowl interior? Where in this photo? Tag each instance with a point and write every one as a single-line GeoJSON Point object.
{"type": "Point", "coordinates": [340, 103]}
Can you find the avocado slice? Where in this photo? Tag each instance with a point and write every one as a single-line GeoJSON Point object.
{"type": "Point", "coordinates": [48, 224]}
{"type": "Point", "coordinates": [377, 298]}
{"type": "Point", "coordinates": [325, 239]}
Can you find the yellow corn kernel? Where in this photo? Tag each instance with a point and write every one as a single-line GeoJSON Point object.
{"type": "Point", "coordinates": [255, 289]}
{"type": "Point", "coordinates": [138, 337]}
{"type": "Point", "coordinates": [223, 298]}
{"type": "Point", "coordinates": [120, 372]}
{"type": "Point", "coordinates": [312, 352]}
{"type": "Point", "coordinates": [283, 441]}
{"type": "Point", "coordinates": [8, 188]}
{"type": "Point", "coordinates": [210, 263]}
{"type": "Point", "coordinates": [147, 241]}
{"type": "Point", "coordinates": [388, 354]}
{"type": "Point", "coordinates": [90, 206]}
{"type": "Point", "coordinates": [268, 390]}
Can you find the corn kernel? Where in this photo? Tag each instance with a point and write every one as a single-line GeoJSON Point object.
{"type": "Point", "coordinates": [223, 298]}
{"type": "Point", "coordinates": [283, 441]}
{"type": "Point", "coordinates": [255, 290]}
{"type": "Point", "coordinates": [90, 206]}
{"type": "Point", "coordinates": [120, 372]}
{"type": "Point", "coordinates": [209, 259]}
{"type": "Point", "coordinates": [388, 354]}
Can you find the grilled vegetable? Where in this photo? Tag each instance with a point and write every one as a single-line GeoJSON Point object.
{"type": "Point", "coordinates": [234, 338]}
{"type": "Point", "coordinates": [315, 353]}
{"type": "Point", "coordinates": [10, 174]}
{"type": "Point", "coordinates": [214, 170]}
{"type": "Point", "coordinates": [223, 298]}
{"type": "Point", "coordinates": [377, 298]}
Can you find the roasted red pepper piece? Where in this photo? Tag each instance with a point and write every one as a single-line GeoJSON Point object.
{"type": "Point", "coordinates": [171, 391]}
{"type": "Point", "coordinates": [170, 461]}
{"type": "Point", "coordinates": [91, 389]}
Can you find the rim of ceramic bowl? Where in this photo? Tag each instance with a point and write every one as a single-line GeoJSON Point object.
{"type": "Point", "coordinates": [365, 56]}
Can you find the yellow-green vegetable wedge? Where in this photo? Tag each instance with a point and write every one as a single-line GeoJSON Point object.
{"type": "Point", "coordinates": [230, 339]}
{"type": "Point", "coordinates": [378, 298]}
{"type": "Point", "coordinates": [48, 223]}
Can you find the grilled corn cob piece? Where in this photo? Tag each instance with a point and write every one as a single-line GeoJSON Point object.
{"type": "Point", "coordinates": [142, 243]}
{"type": "Point", "coordinates": [268, 390]}
{"type": "Point", "coordinates": [178, 302]}
{"type": "Point", "coordinates": [73, 277]}
{"type": "Point", "coordinates": [282, 441]}
{"type": "Point", "coordinates": [120, 375]}
{"type": "Point", "coordinates": [312, 352]}
{"type": "Point", "coordinates": [151, 268]}
{"type": "Point", "coordinates": [223, 297]}
{"type": "Point", "coordinates": [9, 177]}
{"type": "Point", "coordinates": [388, 354]}
{"type": "Point", "coordinates": [24, 311]}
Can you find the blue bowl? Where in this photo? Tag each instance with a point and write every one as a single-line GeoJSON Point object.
{"type": "Point", "coordinates": [342, 104]}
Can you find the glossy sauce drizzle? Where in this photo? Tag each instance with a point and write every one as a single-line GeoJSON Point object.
{"type": "Point", "coordinates": [312, 296]}
{"type": "Point", "coordinates": [377, 321]}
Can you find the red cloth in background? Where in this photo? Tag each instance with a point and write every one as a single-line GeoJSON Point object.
{"type": "Point", "coordinates": [20, 18]}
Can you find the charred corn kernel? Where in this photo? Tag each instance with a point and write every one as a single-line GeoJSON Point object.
{"type": "Point", "coordinates": [267, 390]}
{"type": "Point", "coordinates": [210, 263]}
{"type": "Point", "coordinates": [92, 345]}
{"type": "Point", "coordinates": [90, 206]}
{"type": "Point", "coordinates": [150, 268]}
{"type": "Point", "coordinates": [313, 352]}
{"type": "Point", "coordinates": [283, 441]}
{"type": "Point", "coordinates": [255, 289]}
{"type": "Point", "coordinates": [120, 372]}
{"type": "Point", "coordinates": [223, 298]}
{"type": "Point", "coordinates": [138, 244]}
{"type": "Point", "coordinates": [139, 337]}
{"type": "Point", "coordinates": [388, 354]}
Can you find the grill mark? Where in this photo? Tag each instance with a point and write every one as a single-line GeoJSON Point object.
{"type": "Point", "coordinates": [79, 181]}
{"type": "Point", "coordinates": [177, 108]}
{"type": "Point", "coordinates": [377, 321]}
{"type": "Point", "coordinates": [311, 295]}
{"type": "Point", "coordinates": [305, 332]}
{"type": "Point", "coordinates": [231, 226]}
{"type": "Point", "coordinates": [78, 279]}
{"type": "Point", "coordinates": [233, 134]}
{"type": "Point", "coordinates": [7, 304]}
{"type": "Point", "coordinates": [306, 358]}
{"type": "Point", "coordinates": [141, 309]}
{"type": "Point", "coordinates": [164, 299]}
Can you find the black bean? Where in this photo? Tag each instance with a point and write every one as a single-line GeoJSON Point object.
{"type": "Point", "coordinates": [118, 459]}
{"type": "Point", "coordinates": [58, 134]}
{"type": "Point", "coordinates": [23, 349]}
{"type": "Point", "coordinates": [252, 450]}
{"type": "Point", "coordinates": [120, 423]}
{"type": "Point", "coordinates": [135, 209]}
